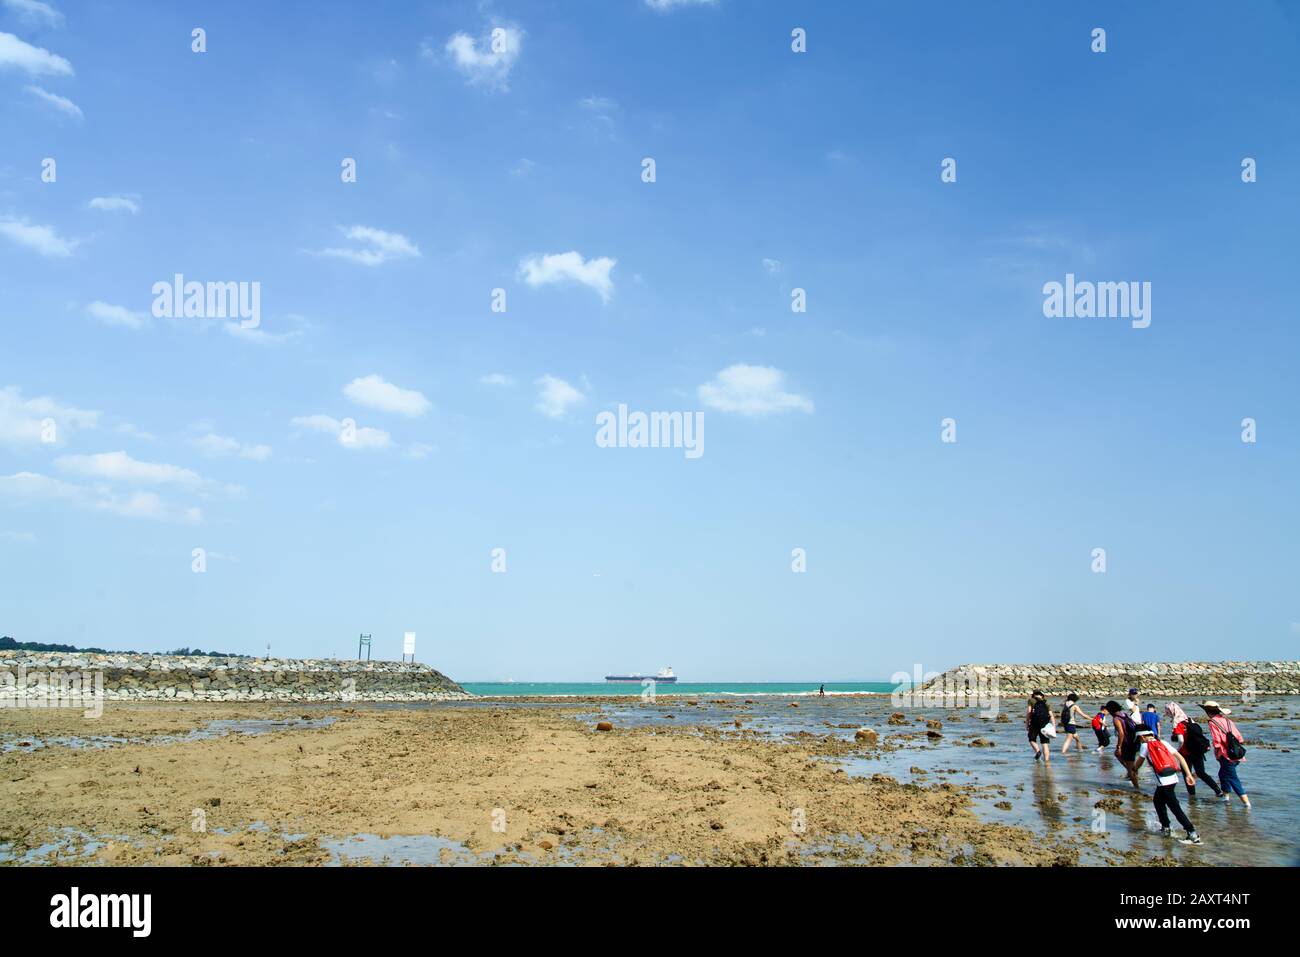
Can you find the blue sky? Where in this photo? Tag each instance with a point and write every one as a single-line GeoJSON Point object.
{"type": "Point", "coordinates": [775, 170]}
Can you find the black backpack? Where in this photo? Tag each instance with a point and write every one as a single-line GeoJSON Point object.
{"type": "Point", "coordinates": [1197, 742]}
{"type": "Point", "coordinates": [1233, 749]}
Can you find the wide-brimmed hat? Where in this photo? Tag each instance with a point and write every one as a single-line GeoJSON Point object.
{"type": "Point", "coordinates": [1214, 706]}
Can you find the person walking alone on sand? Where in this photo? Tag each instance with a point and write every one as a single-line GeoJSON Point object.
{"type": "Point", "coordinates": [1038, 716]}
{"type": "Point", "coordinates": [1229, 749]}
{"type": "Point", "coordinates": [1193, 744]}
{"type": "Point", "coordinates": [1068, 727]}
{"type": "Point", "coordinates": [1165, 765]}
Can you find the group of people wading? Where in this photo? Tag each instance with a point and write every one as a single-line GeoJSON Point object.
{"type": "Point", "coordinates": [1137, 742]}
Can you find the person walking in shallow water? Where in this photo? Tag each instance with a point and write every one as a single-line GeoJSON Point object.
{"type": "Point", "coordinates": [1193, 744]}
{"type": "Point", "coordinates": [1068, 728]}
{"type": "Point", "coordinates": [1037, 717]}
{"type": "Point", "coordinates": [1229, 748]}
{"type": "Point", "coordinates": [1126, 745]}
{"type": "Point", "coordinates": [1165, 765]}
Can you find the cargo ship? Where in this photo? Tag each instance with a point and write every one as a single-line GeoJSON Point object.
{"type": "Point", "coordinates": [665, 676]}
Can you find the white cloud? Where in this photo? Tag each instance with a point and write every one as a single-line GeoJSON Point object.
{"type": "Point", "coordinates": [222, 446]}
{"type": "Point", "coordinates": [118, 202]}
{"type": "Point", "coordinates": [602, 110]}
{"type": "Point", "coordinates": [773, 266]}
{"type": "Point", "coordinates": [346, 432]}
{"type": "Point", "coordinates": [26, 537]}
{"type": "Point", "coordinates": [112, 315]}
{"type": "Point", "coordinates": [375, 246]}
{"type": "Point", "coordinates": [120, 467]}
{"type": "Point", "coordinates": [60, 103]}
{"type": "Point", "coordinates": [496, 378]}
{"type": "Point", "coordinates": [554, 396]}
{"type": "Point", "coordinates": [751, 390]}
{"type": "Point", "coordinates": [375, 393]}
{"type": "Point", "coordinates": [259, 334]}
{"type": "Point", "coordinates": [486, 62]}
{"type": "Point", "coordinates": [598, 104]}
{"type": "Point", "coordinates": [569, 267]}
{"type": "Point", "coordinates": [34, 12]}
{"type": "Point", "coordinates": [29, 488]}
{"type": "Point", "coordinates": [42, 239]}
{"type": "Point", "coordinates": [418, 450]}
{"type": "Point", "coordinates": [21, 420]}
{"type": "Point", "coordinates": [523, 167]}
{"type": "Point", "coordinates": [34, 61]}
{"type": "Point", "coordinates": [126, 428]}
{"type": "Point", "coordinates": [664, 6]}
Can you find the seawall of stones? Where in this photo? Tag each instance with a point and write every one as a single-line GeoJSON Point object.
{"type": "Point", "coordinates": [1230, 680]}
{"type": "Point", "coordinates": [124, 677]}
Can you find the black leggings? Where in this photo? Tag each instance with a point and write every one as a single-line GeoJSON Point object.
{"type": "Point", "coordinates": [1166, 800]}
{"type": "Point", "coordinates": [1197, 763]}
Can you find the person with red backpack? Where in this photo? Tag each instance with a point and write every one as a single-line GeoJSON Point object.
{"type": "Point", "coordinates": [1193, 744]}
{"type": "Point", "coordinates": [1229, 748]}
{"type": "Point", "coordinates": [1166, 764]}
{"type": "Point", "coordinates": [1099, 729]}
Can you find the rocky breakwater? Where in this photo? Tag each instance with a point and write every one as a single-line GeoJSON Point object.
{"type": "Point", "coordinates": [28, 677]}
{"type": "Point", "coordinates": [1185, 679]}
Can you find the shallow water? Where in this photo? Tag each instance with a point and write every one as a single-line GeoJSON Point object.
{"type": "Point", "coordinates": [1058, 799]}
{"type": "Point", "coordinates": [213, 729]}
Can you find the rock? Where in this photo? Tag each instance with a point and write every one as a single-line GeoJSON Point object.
{"type": "Point", "coordinates": [545, 845]}
{"type": "Point", "coordinates": [932, 734]}
{"type": "Point", "coordinates": [867, 737]}
{"type": "Point", "coordinates": [897, 718]}
{"type": "Point", "coordinates": [934, 725]}
{"type": "Point", "coordinates": [214, 802]}
{"type": "Point", "coordinates": [604, 726]}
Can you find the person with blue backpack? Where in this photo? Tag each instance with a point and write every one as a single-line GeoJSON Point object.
{"type": "Point", "coordinates": [1229, 748]}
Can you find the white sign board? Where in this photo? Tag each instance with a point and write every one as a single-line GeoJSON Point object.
{"type": "Point", "coordinates": [408, 643]}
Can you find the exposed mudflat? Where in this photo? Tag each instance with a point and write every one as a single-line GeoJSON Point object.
{"type": "Point", "coordinates": [720, 782]}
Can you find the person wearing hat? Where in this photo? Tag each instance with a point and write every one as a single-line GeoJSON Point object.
{"type": "Point", "coordinates": [1228, 748]}
{"type": "Point", "coordinates": [1166, 763]}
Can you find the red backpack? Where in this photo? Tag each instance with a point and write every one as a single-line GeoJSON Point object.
{"type": "Point", "coordinates": [1097, 719]}
{"type": "Point", "coordinates": [1162, 759]}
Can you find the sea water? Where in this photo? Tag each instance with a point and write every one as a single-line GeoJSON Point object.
{"type": "Point", "coordinates": [592, 689]}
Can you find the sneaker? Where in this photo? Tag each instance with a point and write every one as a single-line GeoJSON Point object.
{"type": "Point", "coordinates": [1192, 838]}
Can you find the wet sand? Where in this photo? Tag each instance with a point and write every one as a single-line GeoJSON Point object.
{"type": "Point", "coordinates": [496, 782]}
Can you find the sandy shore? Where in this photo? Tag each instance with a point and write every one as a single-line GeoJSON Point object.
{"type": "Point", "coordinates": [562, 791]}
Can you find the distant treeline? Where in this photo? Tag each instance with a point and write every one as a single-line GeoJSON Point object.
{"type": "Point", "coordinates": [8, 644]}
